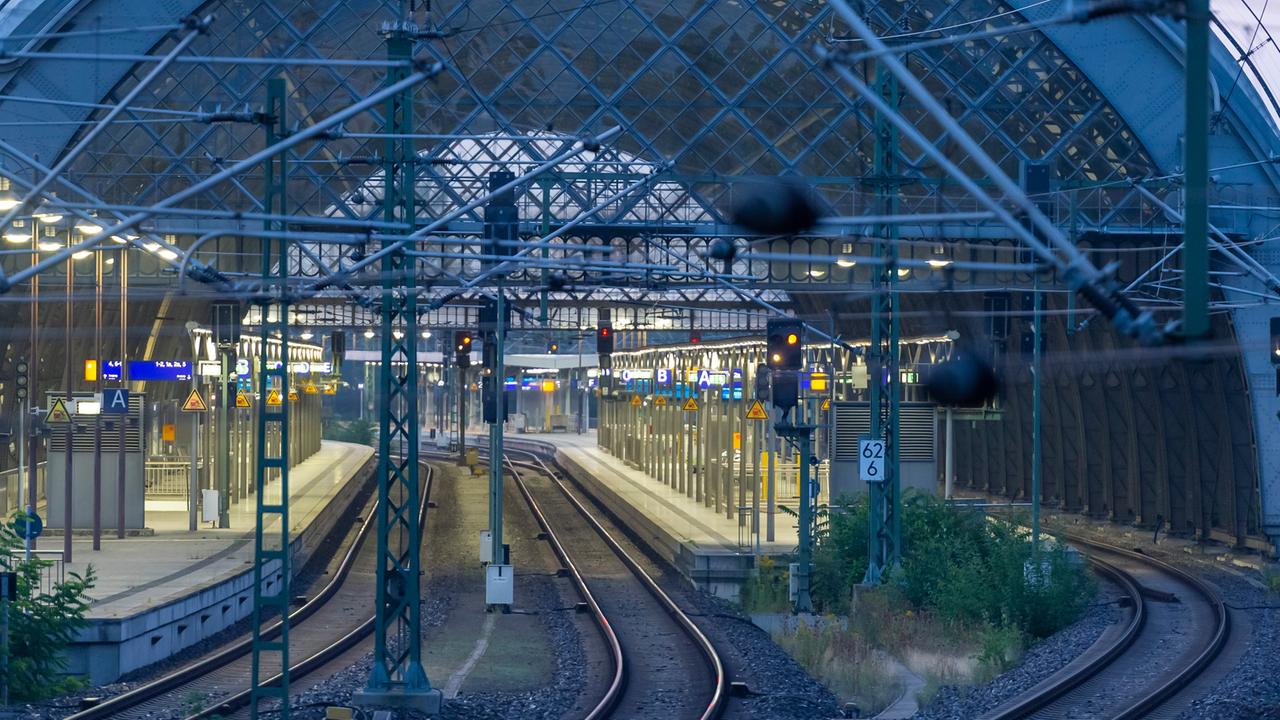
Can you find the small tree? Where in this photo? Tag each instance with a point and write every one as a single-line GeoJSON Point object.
{"type": "Point", "coordinates": [41, 624]}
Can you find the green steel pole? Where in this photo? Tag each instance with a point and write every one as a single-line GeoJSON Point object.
{"type": "Point", "coordinates": [1036, 460]}
{"type": "Point", "coordinates": [496, 460]}
{"type": "Point", "coordinates": [224, 438]}
{"type": "Point", "coordinates": [804, 603]}
{"type": "Point", "coordinates": [1195, 253]}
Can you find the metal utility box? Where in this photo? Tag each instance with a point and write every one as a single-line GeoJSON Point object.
{"type": "Point", "coordinates": [208, 505]}
{"type": "Point", "coordinates": [486, 546]}
{"type": "Point", "coordinates": [499, 585]}
{"type": "Point", "coordinates": [851, 422]}
{"type": "Point", "coordinates": [82, 454]}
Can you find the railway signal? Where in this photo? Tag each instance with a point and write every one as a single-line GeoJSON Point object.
{"type": "Point", "coordinates": [785, 344]}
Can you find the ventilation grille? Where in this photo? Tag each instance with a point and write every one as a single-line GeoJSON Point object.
{"type": "Point", "coordinates": [852, 421]}
{"type": "Point", "coordinates": [82, 430]}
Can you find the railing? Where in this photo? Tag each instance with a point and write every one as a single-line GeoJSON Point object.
{"type": "Point", "coordinates": [168, 478]}
{"type": "Point", "coordinates": [9, 484]}
{"type": "Point", "coordinates": [53, 570]}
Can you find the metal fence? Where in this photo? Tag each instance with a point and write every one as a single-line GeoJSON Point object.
{"type": "Point", "coordinates": [168, 478]}
{"type": "Point", "coordinates": [53, 570]}
{"type": "Point", "coordinates": [9, 489]}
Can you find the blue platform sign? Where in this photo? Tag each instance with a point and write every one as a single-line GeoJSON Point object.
{"type": "Point", "coordinates": [115, 401]}
{"type": "Point", "coordinates": [28, 525]}
{"type": "Point", "coordinates": [149, 370]}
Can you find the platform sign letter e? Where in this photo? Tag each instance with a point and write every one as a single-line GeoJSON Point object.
{"type": "Point", "coordinates": [871, 459]}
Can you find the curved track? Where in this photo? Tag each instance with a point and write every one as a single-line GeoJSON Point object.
{"type": "Point", "coordinates": [1177, 626]}
{"type": "Point", "coordinates": [313, 627]}
{"type": "Point", "coordinates": [664, 666]}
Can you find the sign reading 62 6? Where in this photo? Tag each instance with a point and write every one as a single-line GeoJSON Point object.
{"type": "Point", "coordinates": [871, 459]}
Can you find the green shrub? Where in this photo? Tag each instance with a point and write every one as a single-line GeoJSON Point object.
{"type": "Point", "coordinates": [360, 432]}
{"type": "Point", "coordinates": [969, 568]}
{"type": "Point", "coordinates": [41, 624]}
{"type": "Point", "coordinates": [767, 590]}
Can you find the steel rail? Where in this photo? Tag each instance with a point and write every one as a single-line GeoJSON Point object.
{"type": "Point", "coordinates": [1030, 704]}
{"type": "Point", "coordinates": [1038, 700]}
{"type": "Point", "coordinates": [229, 654]}
{"type": "Point", "coordinates": [716, 705]}
{"type": "Point", "coordinates": [614, 693]}
{"type": "Point", "coordinates": [326, 654]}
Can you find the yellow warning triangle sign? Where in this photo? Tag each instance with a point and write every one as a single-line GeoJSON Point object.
{"type": "Point", "coordinates": [311, 389]}
{"type": "Point", "coordinates": [293, 394]}
{"type": "Point", "coordinates": [58, 412]}
{"type": "Point", "coordinates": [194, 402]}
{"type": "Point", "coordinates": [826, 404]}
{"type": "Point", "coordinates": [330, 389]}
{"type": "Point", "coordinates": [635, 401]}
{"type": "Point", "coordinates": [660, 401]}
{"type": "Point", "coordinates": [242, 401]}
{"type": "Point", "coordinates": [690, 405]}
{"type": "Point", "coordinates": [756, 411]}
{"type": "Point", "coordinates": [273, 397]}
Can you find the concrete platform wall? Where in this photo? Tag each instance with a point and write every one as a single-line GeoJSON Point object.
{"type": "Point", "coordinates": [108, 649]}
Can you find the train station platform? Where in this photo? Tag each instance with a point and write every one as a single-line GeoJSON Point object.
{"type": "Point", "coordinates": [715, 552]}
{"type": "Point", "coordinates": [160, 593]}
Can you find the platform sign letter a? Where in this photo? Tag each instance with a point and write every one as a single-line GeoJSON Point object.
{"type": "Point", "coordinates": [115, 401]}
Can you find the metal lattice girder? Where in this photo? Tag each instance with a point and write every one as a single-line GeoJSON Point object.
{"type": "Point", "coordinates": [882, 356]}
{"type": "Point", "coordinates": [397, 657]}
{"type": "Point", "coordinates": [272, 597]}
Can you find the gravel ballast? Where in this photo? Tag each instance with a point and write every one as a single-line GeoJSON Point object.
{"type": "Point", "coordinates": [953, 702]}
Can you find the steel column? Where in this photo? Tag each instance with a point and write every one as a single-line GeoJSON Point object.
{"type": "Point", "coordinates": [398, 675]}
{"type": "Point", "coordinates": [275, 271]}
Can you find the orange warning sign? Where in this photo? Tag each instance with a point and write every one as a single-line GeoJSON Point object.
{"type": "Point", "coordinates": [273, 397]}
{"type": "Point", "coordinates": [690, 405]}
{"type": "Point", "coordinates": [311, 389]}
{"type": "Point", "coordinates": [194, 402]}
{"type": "Point", "coordinates": [58, 412]}
{"type": "Point", "coordinates": [168, 432]}
{"type": "Point", "coordinates": [756, 411]}
{"type": "Point", "coordinates": [660, 401]}
{"type": "Point", "coordinates": [635, 401]}
{"type": "Point", "coordinates": [242, 401]}
{"type": "Point", "coordinates": [331, 389]}
{"type": "Point", "coordinates": [826, 404]}
{"type": "Point", "coordinates": [293, 394]}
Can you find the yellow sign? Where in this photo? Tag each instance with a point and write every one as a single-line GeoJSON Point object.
{"type": "Point", "coordinates": [91, 371]}
{"type": "Point", "coordinates": [690, 405]}
{"type": "Point", "coordinates": [660, 401]}
{"type": "Point", "coordinates": [273, 397]}
{"type": "Point", "coordinates": [168, 432]}
{"type": "Point", "coordinates": [330, 389]}
{"type": "Point", "coordinates": [311, 389]}
{"type": "Point", "coordinates": [756, 411]}
{"type": "Point", "coordinates": [58, 412]}
{"type": "Point", "coordinates": [548, 386]}
{"type": "Point", "coordinates": [818, 382]}
{"type": "Point", "coordinates": [242, 401]}
{"type": "Point", "coordinates": [737, 441]}
{"type": "Point", "coordinates": [826, 404]}
{"type": "Point", "coordinates": [194, 402]}
{"type": "Point", "coordinates": [636, 401]}
{"type": "Point", "coordinates": [293, 394]}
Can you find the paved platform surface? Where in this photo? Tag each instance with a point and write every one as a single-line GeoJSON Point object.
{"type": "Point", "coordinates": [136, 573]}
{"type": "Point", "coordinates": [688, 521]}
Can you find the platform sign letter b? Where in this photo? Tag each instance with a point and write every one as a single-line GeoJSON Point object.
{"type": "Point", "coordinates": [871, 459]}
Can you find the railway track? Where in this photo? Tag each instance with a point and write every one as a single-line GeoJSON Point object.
{"type": "Point", "coordinates": [315, 624]}
{"type": "Point", "coordinates": [1177, 625]}
{"type": "Point", "coordinates": [664, 666]}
